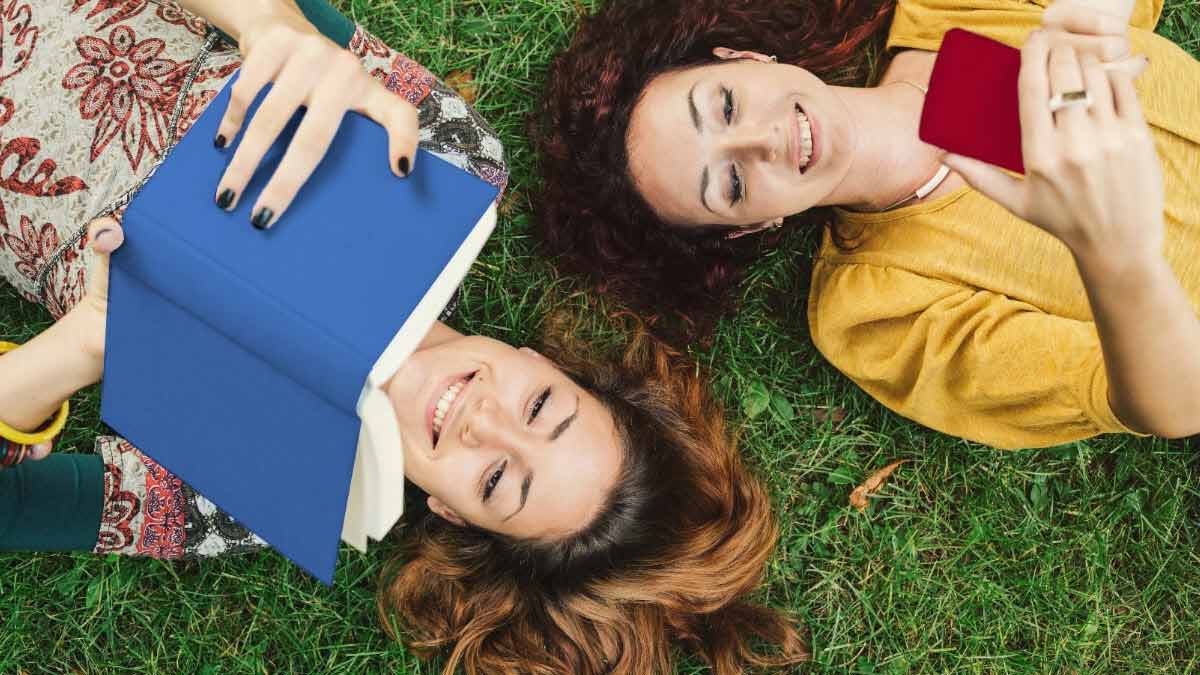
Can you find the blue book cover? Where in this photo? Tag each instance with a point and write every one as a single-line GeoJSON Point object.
{"type": "Point", "coordinates": [243, 360]}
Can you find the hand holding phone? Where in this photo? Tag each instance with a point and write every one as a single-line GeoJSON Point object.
{"type": "Point", "coordinates": [1095, 182]}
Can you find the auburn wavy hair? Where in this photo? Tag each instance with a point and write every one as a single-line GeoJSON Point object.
{"type": "Point", "coordinates": [671, 561]}
{"type": "Point", "coordinates": [590, 215]}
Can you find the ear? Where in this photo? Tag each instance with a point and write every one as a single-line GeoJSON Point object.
{"type": "Point", "coordinates": [531, 352]}
{"type": "Point", "coordinates": [755, 229]}
{"type": "Point", "coordinates": [727, 54]}
{"type": "Point", "coordinates": [445, 512]}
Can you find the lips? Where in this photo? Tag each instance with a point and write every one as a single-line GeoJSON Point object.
{"type": "Point", "coordinates": [452, 390]}
{"type": "Point", "coordinates": [803, 153]}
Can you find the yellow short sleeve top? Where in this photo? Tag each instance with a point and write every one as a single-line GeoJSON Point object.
{"type": "Point", "coordinates": [957, 314]}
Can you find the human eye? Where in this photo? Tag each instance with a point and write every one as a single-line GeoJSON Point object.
{"type": "Point", "coordinates": [735, 186]}
{"type": "Point", "coordinates": [538, 404]}
{"type": "Point", "coordinates": [728, 105]}
{"type": "Point", "coordinates": [494, 480]}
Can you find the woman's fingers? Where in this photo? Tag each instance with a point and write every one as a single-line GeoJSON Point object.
{"type": "Point", "coordinates": [285, 97]}
{"type": "Point", "coordinates": [1107, 48]}
{"type": "Point", "coordinates": [399, 117]}
{"type": "Point", "coordinates": [1125, 98]}
{"type": "Point", "coordinates": [1066, 76]}
{"type": "Point", "coordinates": [1095, 80]}
{"type": "Point", "coordinates": [254, 75]}
{"type": "Point", "coordinates": [1078, 17]}
{"type": "Point", "coordinates": [304, 153]}
{"type": "Point", "coordinates": [1002, 188]}
{"type": "Point", "coordinates": [1033, 84]}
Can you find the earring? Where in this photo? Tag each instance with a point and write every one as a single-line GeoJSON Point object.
{"type": "Point", "coordinates": [774, 59]}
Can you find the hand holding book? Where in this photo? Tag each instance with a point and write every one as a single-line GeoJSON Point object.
{"type": "Point", "coordinates": [305, 69]}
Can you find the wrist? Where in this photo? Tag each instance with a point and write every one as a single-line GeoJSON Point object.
{"type": "Point", "coordinates": [83, 330]}
{"type": "Point", "coordinates": [1127, 271]}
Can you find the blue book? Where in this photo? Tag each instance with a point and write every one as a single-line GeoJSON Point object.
{"type": "Point", "coordinates": [251, 363]}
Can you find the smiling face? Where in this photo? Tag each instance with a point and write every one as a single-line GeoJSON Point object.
{"type": "Point", "coordinates": [738, 143]}
{"type": "Point", "coordinates": [502, 439]}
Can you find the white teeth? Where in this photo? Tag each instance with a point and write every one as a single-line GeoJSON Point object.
{"type": "Point", "coordinates": [806, 144]}
{"type": "Point", "coordinates": [443, 405]}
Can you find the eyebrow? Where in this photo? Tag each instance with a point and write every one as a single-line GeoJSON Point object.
{"type": "Point", "coordinates": [699, 124]}
{"type": "Point", "coordinates": [565, 424]}
{"type": "Point", "coordinates": [524, 496]}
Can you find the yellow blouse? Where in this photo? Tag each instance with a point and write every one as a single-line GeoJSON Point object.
{"type": "Point", "coordinates": [957, 314]}
{"type": "Point", "coordinates": [45, 433]}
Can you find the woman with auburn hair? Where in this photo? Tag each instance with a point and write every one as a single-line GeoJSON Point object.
{"type": "Point", "coordinates": [1013, 313]}
{"type": "Point", "coordinates": [576, 516]}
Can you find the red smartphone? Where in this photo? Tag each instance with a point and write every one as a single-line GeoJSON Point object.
{"type": "Point", "coordinates": [972, 107]}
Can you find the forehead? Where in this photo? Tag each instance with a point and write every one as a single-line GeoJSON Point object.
{"type": "Point", "coordinates": [665, 151]}
{"type": "Point", "coordinates": [575, 475]}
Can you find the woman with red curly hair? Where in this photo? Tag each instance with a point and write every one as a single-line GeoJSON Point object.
{"type": "Point", "coordinates": [1013, 313]}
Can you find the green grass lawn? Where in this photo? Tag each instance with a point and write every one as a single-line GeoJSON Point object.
{"type": "Point", "coordinates": [1078, 559]}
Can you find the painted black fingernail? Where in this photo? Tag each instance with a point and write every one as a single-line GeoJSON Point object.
{"type": "Point", "coordinates": [219, 141]}
{"type": "Point", "coordinates": [403, 165]}
{"type": "Point", "coordinates": [262, 219]}
{"type": "Point", "coordinates": [225, 198]}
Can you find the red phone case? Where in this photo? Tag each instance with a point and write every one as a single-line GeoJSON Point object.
{"type": "Point", "coordinates": [972, 107]}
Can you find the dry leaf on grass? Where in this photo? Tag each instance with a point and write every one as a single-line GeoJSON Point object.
{"type": "Point", "coordinates": [835, 415]}
{"type": "Point", "coordinates": [858, 498]}
{"type": "Point", "coordinates": [463, 81]}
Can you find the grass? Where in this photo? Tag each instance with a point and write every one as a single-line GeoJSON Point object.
{"type": "Point", "coordinates": [1078, 559]}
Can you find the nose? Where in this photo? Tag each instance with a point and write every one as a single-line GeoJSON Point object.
{"type": "Point", "coordinates": [754, 142]}
{"type": "Point", "coordinates": [489, 425]}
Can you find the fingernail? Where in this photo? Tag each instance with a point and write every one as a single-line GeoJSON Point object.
{"type": "Point", "coordinates": [225, 199]}
{"type": "Point", "coordinates": [403, 165]}
{"type": "Point", "coordinates": [262, 219]}
{"type": "Point", "coordinates": [219, 141]}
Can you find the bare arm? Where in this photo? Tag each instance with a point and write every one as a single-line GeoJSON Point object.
{"type": "Point", "coordinates": [38, 376]}
{"type": "Point", "coordinates": [234, 17]}
{"type": "Point", "coordinates": [1151, 340]}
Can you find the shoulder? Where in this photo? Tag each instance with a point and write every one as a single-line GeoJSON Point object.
{"type": "Point", "coordinates": [862, 307]}
{"type": "Point", "coordinates": [450, 127]}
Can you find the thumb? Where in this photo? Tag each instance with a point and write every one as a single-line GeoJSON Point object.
{"type": "Point", "coordinates": [991, 181]}
{"type": "Point", "coordinates": [105, 235]}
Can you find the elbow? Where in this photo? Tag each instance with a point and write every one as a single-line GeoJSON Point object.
{"type": "Point", "coordinates": [1176, 431]}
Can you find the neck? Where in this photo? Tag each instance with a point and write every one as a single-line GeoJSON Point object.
{"type": "Point", "coordinates": [439, 334]}
{"type": "Point", "coordinates": [889, 160]}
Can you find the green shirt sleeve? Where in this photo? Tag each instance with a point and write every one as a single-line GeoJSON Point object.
{"type": "Point", "coordinates": [324, 18]}
{"type": "Point", "coordinates": [52, 505]}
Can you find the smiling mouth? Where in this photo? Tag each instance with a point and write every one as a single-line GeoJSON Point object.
{"type": "Point", "coordinates": [445, 405]}
{"type": "Point", "coordinates": [805, 140]}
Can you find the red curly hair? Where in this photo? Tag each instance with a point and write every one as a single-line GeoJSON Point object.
{"type": "Point", "coordinates": [590, 215]}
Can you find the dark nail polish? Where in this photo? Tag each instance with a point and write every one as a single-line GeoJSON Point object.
{"type": "Point", "coordinates": [225, 198]}
{"type": "Point", "coordinates": [403, 165]}
{"type": "Point", "coordinates": [262, 219]}
{"type": "Point", "coordinates": [219, 141]}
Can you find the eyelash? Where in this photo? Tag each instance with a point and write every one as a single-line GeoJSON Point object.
{"type": "Point", "coordinates": [539, 404]}
{"type": "Point", "coordinates": [735, 181]}
{"type": "Point", "coordinates": [493, 481]}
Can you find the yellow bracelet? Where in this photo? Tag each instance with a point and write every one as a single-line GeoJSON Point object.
{"type": "Point", "coordinates": [46, 433]}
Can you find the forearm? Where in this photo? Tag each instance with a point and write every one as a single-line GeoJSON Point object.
{"type": "Point", "coordinates": [232, 16]}
{"type": "Point", "coordinates": [1122, 9]}
{"type": "Point", "coordinates": [38, 376]}
{"type": "Point", "coordinates": [1151, 340]}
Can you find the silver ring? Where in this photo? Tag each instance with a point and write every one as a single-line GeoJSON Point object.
{"type": "Point", "coordinates": [1070, 99]}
